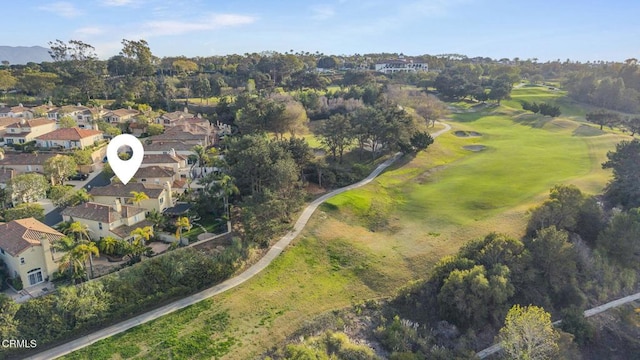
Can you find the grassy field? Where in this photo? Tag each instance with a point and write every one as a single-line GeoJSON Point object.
{"type": "Point", "coordinates": [421, 209]}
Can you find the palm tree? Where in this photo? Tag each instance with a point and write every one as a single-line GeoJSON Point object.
{"type": "Point", "coordinates": [200, 153]}
{"type": "Point", "coordinates": [85, 251]}
{"type": "Point", "coordinates": [79, 231]}
{"type": "Point", "coordinates": [156, 218]}
{"type": "Point", "coordinates": [108, 245]}
{"type": "Point", "coordinates": [138, 197]}
{"type": "Point", "coordinates": [227, 188]}
{"type": "Point", "coordinates": [182, 223]}
{"type": "Point", "coordinates": [69, 261]}
{"type": "Point", "coordinates": [144, 233]}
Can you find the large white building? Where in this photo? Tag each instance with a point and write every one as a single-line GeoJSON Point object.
{"type": "Point", "coordinates": [401, 64]}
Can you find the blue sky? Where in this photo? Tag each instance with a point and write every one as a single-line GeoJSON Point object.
{"type": "Point", "coordinates": [544, 29]}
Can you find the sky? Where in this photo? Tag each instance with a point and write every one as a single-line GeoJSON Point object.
{"type": "Point", "coordinates": [543, 29]}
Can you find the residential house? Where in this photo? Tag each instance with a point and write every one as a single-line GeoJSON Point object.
{"type": "Point", "coordinates": [69, 138]}
{"type": "Point", "coordinates": [193, 134]}
{"type": "Point", "coordinates": [169, 119]}
{"type": "Point", "coordinates": [169, 147]}
{"type": "Point", "coordinates": [26, 250]}
{"type": "Point", "coordinates": [160, 196]}
{"type": "Point", "coordinates": [42, 110]}
{"type": "Point", "coordinates": [24, 163]}
{"type": "Point", "coordinates": [115, 220]}
{"type": "Point", "coordinates": [83, 115]}
{"type": "Point", "coordinates": [120, 115]}
{"type": "Point", "coordinates": [6, 121]}
{"type": "Point", "coordinates": [16, 112]}
{"type": "Point", "coordinates": [175, 162]}
{"type": "Point", "coordinates": [401, 64]}
{"type": "Point", "coordinates": [137, 129]}
{"type": "Point", "coordinates": [159, 175]}
{"type": "Point", "coordinates": [27, 130]}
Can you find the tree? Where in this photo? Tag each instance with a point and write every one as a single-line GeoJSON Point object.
{"type": "Point", "coordinates": [85, 251]}
{"type": "Point", "coordinates": [82, 156]}
{"type": "Point", "coordinates": [155, 129]}
{"type": "Point", "coordinates": [501, 88]}
{"type": "Point", "coordinates": [79, 304]}
{"type": "Point", "coordinates": [624, 188]}
{"type": "Point", "coordinates": [30, 187]}
{"type": "Point", "coordinates": [140, 53]}
{"type": "Point", "coordinates": [227, 189]}
{"type": "Point", "coordinates": [182, 223]}
{"type": "Point", "coordinates": [619, 240]}
{"type": "Point", "coordinates": [7, 80]}
{"type": "Point", "coordinates": [138, 197]}
{"type": "Point", "coordinates": [631, 124]}
{"type": "Point", "coordinates": [8, 322]}
{"type": "Point", "coordinates": [528, 334]}
{"type": "Point", "coordinates": [59, 167]}
{"type": "Point", "coordinates": [67, 122]}
{"type": "Point", "coordinates": [23, 211]}
{"type": "Point", "coordinates": [547, 109]}
{"type": "Point", "coordinates": [38, 83]}
{"type": "Point", "coordinates": [421, 140]}
{"type": "Point", "coordinates": [60, 195]}
{"type": "Point", "coordinates": [142, 233]}
{"type": "Point", "coordinates": [336, 134]}
{"type": "Point", "coordinates": [70, 261]}
{"type": "Point", "coordinates": [107, 245]}
{"type": "Point", "coordinates": [603, 117]}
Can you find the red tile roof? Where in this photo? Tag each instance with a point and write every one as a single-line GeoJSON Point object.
{"type": "Point", "coordinates": [19, 235]}
{"type": "Point", "coordinates": [74, 133]}
{"type": "Point", "coordinates": [31, 123]}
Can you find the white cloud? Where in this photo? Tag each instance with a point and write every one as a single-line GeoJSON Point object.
{"type": "Point", "coordinates": [211, 22]}
{"type": "Point", "coordinates": [322, 12]}
{"type": "Point", "coordinates": [117, 2]}
{"type": "Point", "coordinates": [62, 8]}
{"type": "Point", "coordinates": [90, 30]}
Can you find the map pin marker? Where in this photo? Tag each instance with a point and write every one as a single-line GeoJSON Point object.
{"type": "Point", "coordinates": [125, 169]}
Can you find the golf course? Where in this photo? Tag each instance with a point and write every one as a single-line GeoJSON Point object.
{"type": "Point", "coordinates": [495, 164]}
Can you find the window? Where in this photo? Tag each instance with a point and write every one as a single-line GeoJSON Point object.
{"type": "Point", "coordinates": [22, 261]}
{"type": "Point", "coordinates": [100, 225]}
{"type": "Point", "coordinates": [161, 200]}
{"type": "Point", "coordinates": [35, 276]}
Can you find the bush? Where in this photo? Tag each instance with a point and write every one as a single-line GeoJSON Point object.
{"type": "Point", "coordinates": [17, 283]}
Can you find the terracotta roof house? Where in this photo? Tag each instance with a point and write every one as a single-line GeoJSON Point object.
{"type": "Point", "coordinates": [194, 134]}
{"type": "Point", "coordinates": [176, 162]}
{"type": "Point", "coordinates": [69, 138]}
{"type": "Point", "coordinates": [27, 130]}
{"type": "Point", "coordinates": [169, 119]}
{"type": "Point", "coordinates": [16, 112]}
{"type": "Point", "coordinates": [120, 115]}
{"type": "Point", "coordinates": [158, 175]}
{"type": "Point", "coordinates": [6, 121]}
{"type": "Point", "coordinates": [167, 147]}
{"type": "Point", "coordinates": [25, 163]}
{"type": "Point", "coordinates": [102, 220]}
{"type": "Point", "coordinates": [42, 110]}
{"type": "Point", "coordinates": [25, 248]}
{"type": "Point", "coordinates": [160, 196]}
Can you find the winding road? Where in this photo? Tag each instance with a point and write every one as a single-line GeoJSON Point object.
{"type": "Point", "coordinates": [273, 252]}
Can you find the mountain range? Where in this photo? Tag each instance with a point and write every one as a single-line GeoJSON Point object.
{"type": "Point", "coordinates": [23, 54]}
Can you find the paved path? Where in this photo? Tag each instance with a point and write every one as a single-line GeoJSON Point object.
{"type": "Point", "coordinates": [587, 313]}
{"type": "Point", "coordinates": [224, 286]}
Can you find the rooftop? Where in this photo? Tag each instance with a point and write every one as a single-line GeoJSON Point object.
{"type": "Point", "coordinates": [124, 191]}
{"type": "Point", "coordinates": [100, 212]}
{"type": "Point", "coordinates": [19, 235]}
{"type": "Point", "coordinates": [74, 133]}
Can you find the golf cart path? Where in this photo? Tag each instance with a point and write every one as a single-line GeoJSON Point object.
{"type": "Point", "coordinates": [587, 313]}
{"type": "Point", "coordinates": [273, 252]}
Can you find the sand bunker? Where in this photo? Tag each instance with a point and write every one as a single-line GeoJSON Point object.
{"type": "Point", "coordinates": [461, 133]}
{"type": "Point", "coordinates": [474, 148]}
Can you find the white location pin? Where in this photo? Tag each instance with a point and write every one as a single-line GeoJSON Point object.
{"type": "Point", "coordinates": [125, 169]}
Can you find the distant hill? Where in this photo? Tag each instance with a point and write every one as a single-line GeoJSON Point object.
{"type": "Point", "coordinates": [24, 54]}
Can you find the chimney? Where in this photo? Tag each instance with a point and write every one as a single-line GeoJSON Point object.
{"type": "Point", "coordinates": [49, 103]}
{"type": "Point", "coordinates": [186, 110]}
{"type": "Point", "coordinates": [117, 206]}
{"type": "Point", "coordinates": [128, 107]}
{"type": "Point", "coordinates": [20, 105]}
{"type": "Point", "coordinates": [79, 104]}
{"type": "Point", "coordinates": [23, 121]}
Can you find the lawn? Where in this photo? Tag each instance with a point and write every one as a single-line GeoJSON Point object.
{"type": "Point", "coordinates": [431, 204]}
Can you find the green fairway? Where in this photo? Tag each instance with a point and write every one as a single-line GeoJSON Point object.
{"type": "Point", "coordinates": [428, 206]}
